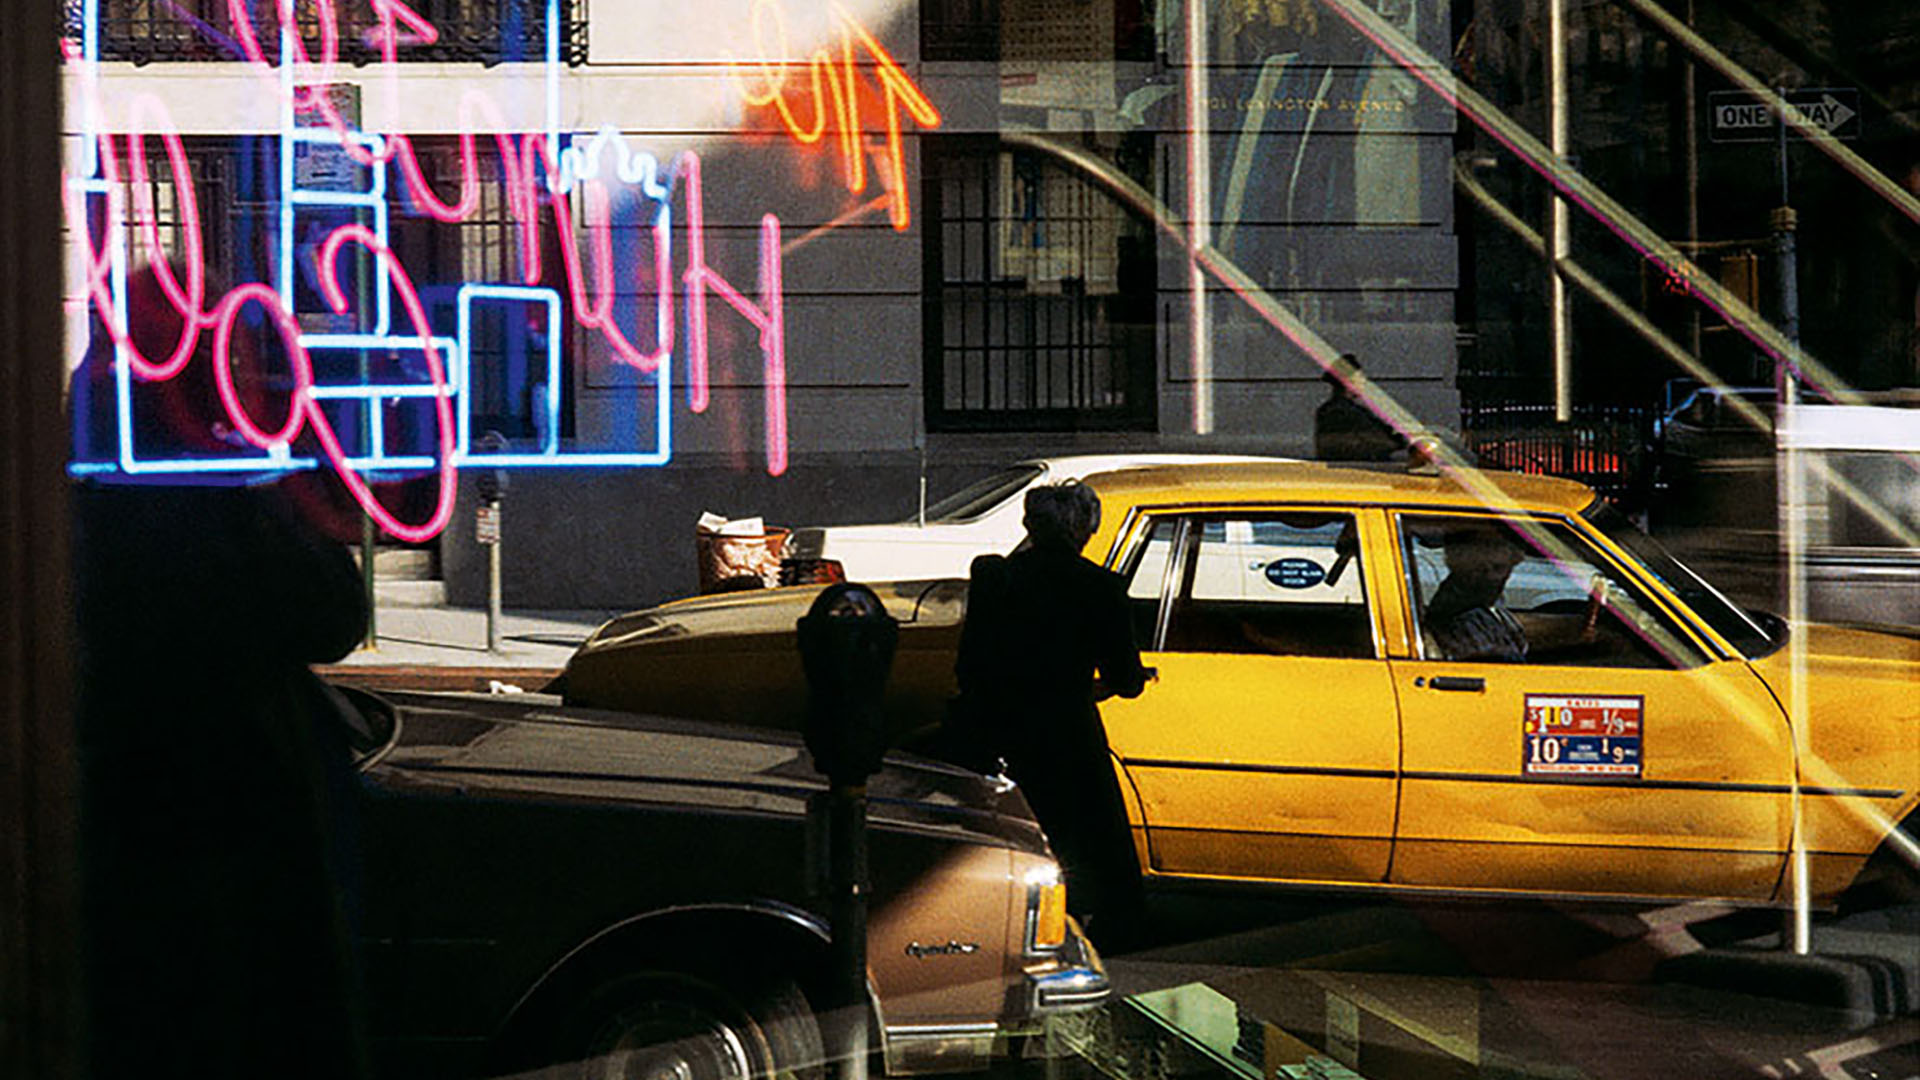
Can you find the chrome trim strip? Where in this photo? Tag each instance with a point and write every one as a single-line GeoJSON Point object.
{"type": "Point", "coordinates": [1229, 766]}
{"type": "Point", "coordinates": [941, 1031]}
{"type": "Point", "coordinates": [1173, 582]}
{"type": "Point", "coordinates": [1503, 778]}
{"type": "Point", "coordinates": [1654, 785]}
{"type": "Point", "coordinates": [1074, 988]}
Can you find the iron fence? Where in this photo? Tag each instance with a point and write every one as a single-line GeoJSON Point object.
{"type": "Point", "coordinates": [1605, 447]}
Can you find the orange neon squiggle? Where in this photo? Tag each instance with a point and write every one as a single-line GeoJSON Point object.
{"type": "Point", "coordinates": [900, 90]}
{"type": "Point", "coordinates": [774, 73]}
{"type": "Point", "coordinates": [840, 77]}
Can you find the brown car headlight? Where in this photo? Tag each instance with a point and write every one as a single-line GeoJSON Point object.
{"type": "Point", "coordinates": [1046, 910]}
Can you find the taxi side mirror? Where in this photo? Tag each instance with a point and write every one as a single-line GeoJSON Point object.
{"type": "Point", "coordinates": [847, 641]}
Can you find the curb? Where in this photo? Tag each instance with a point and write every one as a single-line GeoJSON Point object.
{"type": "Point", "coordinates": [436, 677]}
{"type": "Point", "coordinates": [1856, 983]}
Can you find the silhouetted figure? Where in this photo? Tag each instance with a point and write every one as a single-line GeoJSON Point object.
{"type": "Point", "coordinates": [1344, 429]}
{"type": "Point", "coordinates": [1040, 624]}
{"type": "Point", "coordinates": [1467, 617]}
{"type": "Point", "coordinates": [219, 871]}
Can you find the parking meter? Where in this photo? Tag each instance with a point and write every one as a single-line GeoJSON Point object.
{"type": "Point", "coordinates": [846, 648]}
{"type": "Point", "coordinates": [491, 486]}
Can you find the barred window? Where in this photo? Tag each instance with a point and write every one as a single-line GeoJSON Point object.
{"type": "Point", "coordinates": [1040, 307]}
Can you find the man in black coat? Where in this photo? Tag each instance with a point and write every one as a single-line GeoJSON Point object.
{"type": "Point", "coordinates": [1047, 635]}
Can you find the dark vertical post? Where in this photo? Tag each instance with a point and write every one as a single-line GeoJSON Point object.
{"type": "Point", "coordinates": [39, 960]}
{"type": "Point", "coordinates": [846, 646]}
{"type": "Point", "coordinates": [369, 535]}
{"type": "Point", "coordinates": [847, 881]}
{"type": "Point", "coordinates": [492, 484]}
{"type": "Point", "coordinates": [1785, 221]}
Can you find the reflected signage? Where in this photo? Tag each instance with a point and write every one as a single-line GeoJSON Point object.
{"type": "Point", "coordinates": [333, 239]}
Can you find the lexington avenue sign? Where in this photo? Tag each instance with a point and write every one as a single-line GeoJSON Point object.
{"type": "Point", "coordinates": [1737, 116]}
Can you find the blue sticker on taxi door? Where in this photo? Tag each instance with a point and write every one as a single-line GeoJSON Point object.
{"type": "Point", "coordinates": [1296, 573]}
{"type": "Point", "coordinates": [1580, 735]}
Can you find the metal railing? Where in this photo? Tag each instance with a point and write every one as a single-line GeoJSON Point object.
{"type": "Point", "coordinates": [1602, 446]}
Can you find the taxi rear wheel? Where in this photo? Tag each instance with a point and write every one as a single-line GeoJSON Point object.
{"type": "Point", "coordinates": [679, 1025]}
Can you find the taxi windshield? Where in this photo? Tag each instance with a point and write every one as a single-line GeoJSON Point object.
{"type": "Point", "coordinates": [1745, 631]}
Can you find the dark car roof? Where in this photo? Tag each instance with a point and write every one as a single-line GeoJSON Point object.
{"type": "Point", "coordinates": [535, 746]}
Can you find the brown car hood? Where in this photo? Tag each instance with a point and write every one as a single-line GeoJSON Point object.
{"type": "Point", "coordinates": [533, 746]}
{"type": "Point", "coordinates": [735, 658]}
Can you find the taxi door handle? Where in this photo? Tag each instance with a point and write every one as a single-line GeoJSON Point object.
{"type": "Point", "coordinates": [1472, 683]}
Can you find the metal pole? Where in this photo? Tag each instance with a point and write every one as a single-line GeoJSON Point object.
{"type": "Point", "coordinates": [493, 580]}
{"type": "Point", "coordinates": [1690, 92]}
{"type": "Point", "coordinates": [847, 876]}
{"type": "Point", "coordinates": [1785, 221]}
{"type": "Point", "coordinates": [1797, 935]}
{"type": "Point", "coordinates": [1560, 332]}
{"type": "Point", "coordinates": [1199, 215]}
{"type": "Point", "coordinates": [368, 536]}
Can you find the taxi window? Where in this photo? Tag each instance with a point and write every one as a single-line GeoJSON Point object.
{"type": "Point", "coordinates": [1285, 583]}
{"type": "Point", "coordinates": [1490, 590]}
{"type": "Point", "coordinates": [1146, 579]}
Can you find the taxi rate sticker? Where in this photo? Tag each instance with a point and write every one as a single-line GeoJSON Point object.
{"type": "Point", "coordinates": [1569, 735]}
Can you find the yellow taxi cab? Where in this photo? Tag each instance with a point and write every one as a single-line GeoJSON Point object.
{"type": "Point", "coordinates": [1486, 683]}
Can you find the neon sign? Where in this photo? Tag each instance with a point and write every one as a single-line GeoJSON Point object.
{"type": "Point", "coordinates": [541, 172]}
{"type": "Point", "coordinates": [842, 87]}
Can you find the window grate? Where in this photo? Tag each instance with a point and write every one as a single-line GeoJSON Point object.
{"type": "Point", "coordinates": [1028, 322]}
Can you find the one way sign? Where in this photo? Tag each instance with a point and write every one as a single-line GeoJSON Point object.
{"type": "Point", "coordinates": [1738, 116]}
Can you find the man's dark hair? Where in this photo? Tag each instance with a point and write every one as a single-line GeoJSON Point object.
{"type": "Point", "coordinates": [1062, 515]}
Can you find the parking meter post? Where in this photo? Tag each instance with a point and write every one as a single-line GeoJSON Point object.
{"type": "Point", "coordinates": [846, 648]}
{"type": "Point", "coordinates": [491, 485]}
{"type": "Point", "coordinates": [847, 879]}
{"type": "Point", "coordinates": [493, 588]}
{"type": "Point", "coordinates": [369, 534]}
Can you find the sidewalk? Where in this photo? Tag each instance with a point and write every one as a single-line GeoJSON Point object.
{"type": "Point", "coordinates": [445, 648]}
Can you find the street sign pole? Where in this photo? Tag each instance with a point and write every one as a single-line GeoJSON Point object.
{"type": "Point", "coordinates": [493, 588]}
{"type": "Point", "coordinates": [1796, 936]}
{"type": "Point", "coordinates": [1559, 243]}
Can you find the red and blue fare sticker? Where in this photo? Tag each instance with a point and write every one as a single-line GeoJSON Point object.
{"type": "Point", "coordinates": [1571, 735]}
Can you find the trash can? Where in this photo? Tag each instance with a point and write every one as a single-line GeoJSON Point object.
{"type": "Point", "coordinates": [739, 554]}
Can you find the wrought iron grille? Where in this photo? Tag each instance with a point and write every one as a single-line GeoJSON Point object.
{"type": "Point", "coordinates": [1035, 319]}
{"type": "Point", "coordinates": [469, 31]}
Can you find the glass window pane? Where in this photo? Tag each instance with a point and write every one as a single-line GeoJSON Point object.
{"type": "Point", "coordinates": [1523, 591]}
{"type": "Point", "coordinates": [1285, 584]}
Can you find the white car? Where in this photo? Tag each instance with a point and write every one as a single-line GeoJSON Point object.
{"type": "Point", "coordinates": [980, 519]}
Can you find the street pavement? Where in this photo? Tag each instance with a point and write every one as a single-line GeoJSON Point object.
{"type": "Point", "coordinates": [441, 647]}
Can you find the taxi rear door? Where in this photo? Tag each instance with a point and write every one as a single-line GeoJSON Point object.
{"type": "Point", "coordinates": [1616, 754]}
{"type": "Point", "coordinates": [1268, 747]}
